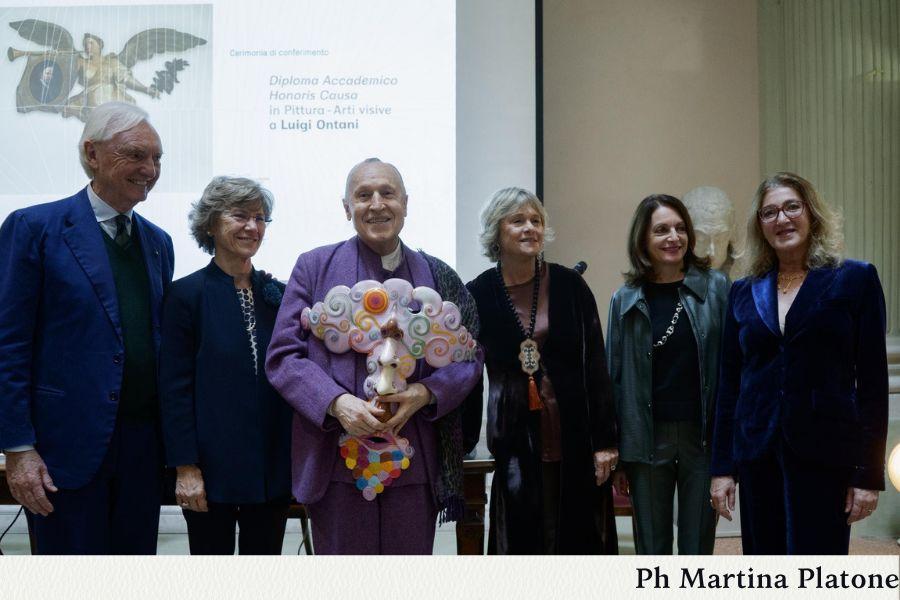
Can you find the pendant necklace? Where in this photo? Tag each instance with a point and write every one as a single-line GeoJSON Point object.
{"type": "Point", "coordinates": [786, 282]}
{"type": "Point", "coordinates": [529, 357]}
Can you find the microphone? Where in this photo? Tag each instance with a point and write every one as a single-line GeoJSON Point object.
{"type": "Point", "coordinates": [580, 267]}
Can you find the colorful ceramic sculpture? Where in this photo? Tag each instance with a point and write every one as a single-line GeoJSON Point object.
{"type": "Point", "coordinates": [395, 325]}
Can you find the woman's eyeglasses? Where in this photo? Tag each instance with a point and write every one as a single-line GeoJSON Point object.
{"type": "Point", "coordinates": [243, 218]}
{"type": "Point", "coordinates": [791, 209]}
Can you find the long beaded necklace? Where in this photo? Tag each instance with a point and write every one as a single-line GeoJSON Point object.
{"type": "Point", "coordinates": [671, 328]}
{"type": "Point", "coordinates": [529, 357]}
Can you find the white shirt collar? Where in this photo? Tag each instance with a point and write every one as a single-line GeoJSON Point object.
{"type": "Point", "coordinates": [102, 210]}
{"type": "Point", "coordinates": [390, 262]}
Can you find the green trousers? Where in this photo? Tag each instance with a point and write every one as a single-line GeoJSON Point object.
{"type": "Point", "coordinates": [679, 463]}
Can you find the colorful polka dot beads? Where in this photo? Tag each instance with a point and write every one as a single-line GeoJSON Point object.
{"type": "Point", "coordinates": [375, 464]}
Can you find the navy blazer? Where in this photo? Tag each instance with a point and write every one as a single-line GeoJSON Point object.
{"type": "Point", "coordinates": [60, 333]}
{"type": "Point", "coordinates": [822, 385]}
{"type": "Point", "coordinates": [216, 412]}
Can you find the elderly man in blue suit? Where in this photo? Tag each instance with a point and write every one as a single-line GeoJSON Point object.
{"type": "Point", "coordinates": [81, 284]}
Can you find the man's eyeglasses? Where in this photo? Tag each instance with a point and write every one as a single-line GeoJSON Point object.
{"type": "Point", "coordinates": [791, 209]}
{"type": "Point", "coordinates": [243, 218]}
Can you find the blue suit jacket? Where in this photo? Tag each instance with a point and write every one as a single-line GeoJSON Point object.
{"type": "Point", "coordinates": [822, 385]}
{"type": "Point", "coordinates": [216, 413]}
{"type": "Point", "coordinates": [60, 333]}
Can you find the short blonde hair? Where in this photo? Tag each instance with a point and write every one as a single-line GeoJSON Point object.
{"type": "Point", "coordinates": [502, 204]}
{"type": "Point", "coordinates": [826, 241]}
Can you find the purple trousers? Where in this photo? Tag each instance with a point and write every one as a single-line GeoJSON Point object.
{"type": "Point", "coordinates": [400, 520]}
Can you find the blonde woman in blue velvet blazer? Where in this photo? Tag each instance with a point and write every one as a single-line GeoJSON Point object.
{"type": "Point", "coordinates": [802, 408]}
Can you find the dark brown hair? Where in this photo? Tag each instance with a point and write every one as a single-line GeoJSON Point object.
{"type": "Point", "coordinates": [641, 267]}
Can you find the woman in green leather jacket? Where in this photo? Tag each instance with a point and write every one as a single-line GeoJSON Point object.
{"type": "Point", "coordinates": [663, 342]}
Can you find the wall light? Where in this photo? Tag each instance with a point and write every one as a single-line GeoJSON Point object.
{"type": "Point", "coordinates": [893, 467]}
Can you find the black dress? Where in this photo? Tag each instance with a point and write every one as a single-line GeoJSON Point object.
{"type": "Point", "coordinates": [574, 358]}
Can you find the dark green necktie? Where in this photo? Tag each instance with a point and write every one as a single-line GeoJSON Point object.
{"type": "Point", "coordinates": [122, 238]}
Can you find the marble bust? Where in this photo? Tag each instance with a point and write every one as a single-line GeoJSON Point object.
{"type": "Point", "coordinates": [713, 215]}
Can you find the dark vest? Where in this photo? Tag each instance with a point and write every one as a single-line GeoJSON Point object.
{"type": "Point", "coordinates": [138, 398]}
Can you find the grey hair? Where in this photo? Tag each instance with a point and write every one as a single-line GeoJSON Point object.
{"type": "Point", "coordinates": [502, 204]}
{"type": "Point", "coordinates": [222, 194]}
{"type": "Point", "coordinates": [104, 122]}
{"type": "Point", "coordinates": [346, 198]}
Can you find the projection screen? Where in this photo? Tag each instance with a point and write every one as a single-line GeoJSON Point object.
{"type": "Point", "coordinates": [291, 93]}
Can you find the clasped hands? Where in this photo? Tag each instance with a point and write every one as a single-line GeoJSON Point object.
{"type": "Point", "coordinates": [361, 418]}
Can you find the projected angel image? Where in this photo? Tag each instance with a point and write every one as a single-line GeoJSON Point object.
{"type": "Point", "coordinates": [103, 77]}
{"type": "Point", "coordinates": [395, 325]}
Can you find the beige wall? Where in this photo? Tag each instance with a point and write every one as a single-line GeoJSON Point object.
{"type": "Point", "coordinates": [641, 97]}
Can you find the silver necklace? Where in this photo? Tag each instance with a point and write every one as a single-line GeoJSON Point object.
{"type": "Point", "coordinates": [671, 328]}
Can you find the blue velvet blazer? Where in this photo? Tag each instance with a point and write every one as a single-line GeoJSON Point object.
{"type": "Point", "coordinates": [822, 385]}
{"type": "Point", "coordinates": [216, 412]}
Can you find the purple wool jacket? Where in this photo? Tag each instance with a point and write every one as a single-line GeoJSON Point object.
{"type": "Point", "coordinates": [309, 376]}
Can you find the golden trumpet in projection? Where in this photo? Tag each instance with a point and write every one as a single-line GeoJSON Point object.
{"type": "Point", "coordinates": [51, 74]}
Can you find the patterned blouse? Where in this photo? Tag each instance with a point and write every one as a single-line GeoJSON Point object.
{"type": "Point", "coordinates": [245, 295]}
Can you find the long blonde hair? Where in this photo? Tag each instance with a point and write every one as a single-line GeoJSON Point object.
{"type": "Point", "coordinates": [826, 241]}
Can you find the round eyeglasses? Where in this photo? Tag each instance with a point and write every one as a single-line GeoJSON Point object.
{"type": "Point", "coordinates": [791, 209]}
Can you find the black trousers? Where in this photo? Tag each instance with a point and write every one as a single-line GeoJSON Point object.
{"type": "Point", "coordinates": [261, 528]}
{"type": "Point", "coordinates": [117, 512]}
{"type": "Point", "coordinates": [679, 464]}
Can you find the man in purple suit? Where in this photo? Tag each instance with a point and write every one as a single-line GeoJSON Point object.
{"type": "Point", "coordinates": [326, 389]}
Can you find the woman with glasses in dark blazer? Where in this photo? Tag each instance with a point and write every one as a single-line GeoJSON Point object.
{"type": "Point", "coordinates": [226, 430]}
{"type": "Point", "coordinates": [802, 410]}
{"type": "Point", "coordinates": [663, 339]}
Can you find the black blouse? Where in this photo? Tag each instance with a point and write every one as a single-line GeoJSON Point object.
{"type": "Point", "coordinates": [676, 366]}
